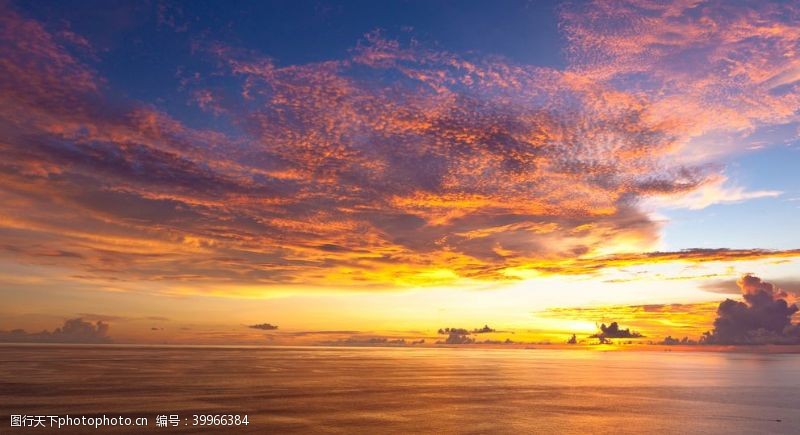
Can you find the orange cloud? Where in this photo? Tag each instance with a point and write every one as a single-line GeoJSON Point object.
{"type": "Point", "coordinates": [699, 255]}
{"type": "Point", "coordinates": [397, 165]}
{"type": "Point", "coordinates": [703, 66]}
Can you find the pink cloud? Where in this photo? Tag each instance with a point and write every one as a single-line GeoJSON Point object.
{"type": "Point", "coordinates": [382, 168]}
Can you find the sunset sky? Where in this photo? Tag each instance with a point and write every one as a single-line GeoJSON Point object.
{"type": "Point", "coordinates": [367, 170]}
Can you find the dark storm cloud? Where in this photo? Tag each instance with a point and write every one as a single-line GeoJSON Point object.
{"type": "Point", "coordinates": [73, 331]}
{"type": "Point", "coordinates": [764, 317]}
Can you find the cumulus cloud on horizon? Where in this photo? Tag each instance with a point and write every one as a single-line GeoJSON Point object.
{"type": "Point", "coordinates": [73, 331]}
{"type": "Point", "coordinates": [764, 317]}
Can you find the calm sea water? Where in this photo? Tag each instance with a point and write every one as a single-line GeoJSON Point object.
{"type": "Point", "coordinates": [380, 390]}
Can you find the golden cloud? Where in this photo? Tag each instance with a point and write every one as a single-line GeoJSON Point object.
{"type": "Point", "coordinates": [397, 165]}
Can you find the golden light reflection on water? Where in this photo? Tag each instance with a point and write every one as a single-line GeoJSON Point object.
{"type": "Point", "coordinates": [369, 390]}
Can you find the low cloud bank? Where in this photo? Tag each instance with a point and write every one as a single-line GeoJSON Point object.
{"type": "Point", "coordinates": [463, 331]}
{"type": "Point", "coordinates": [463, 336]}
{"type": "Point", "coordinates": [73, 331]}
{"type": "Point", "coordinates": [457, 338]}
{"type": "Point", "coordinates": [264, 327]}
{"type": "Point", "coordinates": [614, 331]}
{"type": "Point", "coordinates": [670, 341]}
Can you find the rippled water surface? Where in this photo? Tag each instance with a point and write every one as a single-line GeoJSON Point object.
{"type": "Point", "coordinates": [380, 390]}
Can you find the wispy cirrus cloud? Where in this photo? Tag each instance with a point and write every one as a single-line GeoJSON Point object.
{"type": "Point", "coordinates": [714, 191]}
{"type": "Point", "coordinates": [397, 165]}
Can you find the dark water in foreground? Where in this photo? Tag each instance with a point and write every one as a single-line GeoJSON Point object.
{"type": "Point", "coordinates": [374, 390]}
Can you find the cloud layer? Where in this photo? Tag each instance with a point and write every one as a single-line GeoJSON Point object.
{"type": "Point", "coordinates": [397, 165]}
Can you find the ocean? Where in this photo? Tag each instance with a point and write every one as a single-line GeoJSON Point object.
{"type": "Point", "coordinates": [398, 390]}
